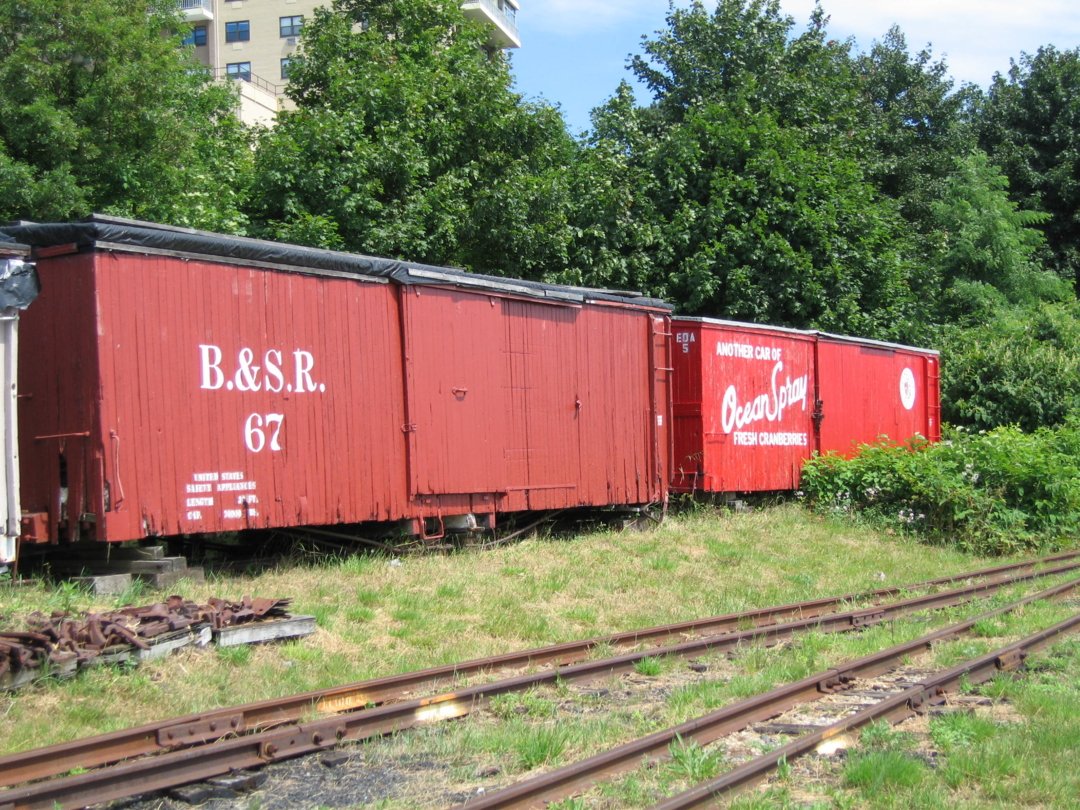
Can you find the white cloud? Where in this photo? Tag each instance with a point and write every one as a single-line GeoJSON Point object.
{"type": "Point", "coordinates": [976, 37]}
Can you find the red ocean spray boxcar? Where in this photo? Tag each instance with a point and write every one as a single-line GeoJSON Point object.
{"type": "Point", "coordinates": [752, 403]}
{"type": "Point", "coordinates": [179, 382]}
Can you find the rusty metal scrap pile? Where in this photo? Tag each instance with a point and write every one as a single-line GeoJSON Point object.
{"type": "Point", "coordinates": [59, 638]}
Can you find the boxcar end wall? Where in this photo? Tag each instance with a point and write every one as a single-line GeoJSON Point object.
{"type": "Point", "coordinates": [18, 288]}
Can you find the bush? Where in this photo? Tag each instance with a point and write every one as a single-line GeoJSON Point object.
{"type": "Point", "coordinates": [1021, 367]}
{"type": "Point", "coordinates": [993, 492]}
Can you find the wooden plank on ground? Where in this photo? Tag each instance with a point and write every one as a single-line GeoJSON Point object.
{"type": "Point", "coordinates": [258, 632]}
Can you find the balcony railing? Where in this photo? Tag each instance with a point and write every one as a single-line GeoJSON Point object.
{"type": "Point", "coordinates": [197, 10]}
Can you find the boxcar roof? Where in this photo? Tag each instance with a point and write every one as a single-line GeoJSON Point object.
{"type": "Point", "coordinates": [804, 333]}
{"type": "Point", "coordinates": [114, 233]}
{"type": "Point", "coordinates": [9, 247]}
{"type": "Point", "coordinates": [884, 344]}
{"type": "Point", "coordinates": [746, 325]}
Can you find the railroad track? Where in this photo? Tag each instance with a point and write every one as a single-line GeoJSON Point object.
{"type": "Point", "coordinates": [577, 777]}
{"type": "Point", "coordinates": [931, 691]}
{"type": "Point", "coordinates": [198, 747]}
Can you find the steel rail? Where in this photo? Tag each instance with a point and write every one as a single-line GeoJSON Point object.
{"type": "Point", "coordinates": [577, 777]}
{"type": "Point", "coordinates": [195, 729]}
{"type": "Point", "coordinates": [915, 700]}
{"type": "Point", "coordinates": [200, 762]}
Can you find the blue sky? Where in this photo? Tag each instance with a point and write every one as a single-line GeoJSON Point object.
{"type": "Point", "coordinates": [574, 51]}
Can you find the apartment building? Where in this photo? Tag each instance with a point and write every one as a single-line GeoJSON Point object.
{"type": "Point", "coordinates": [252, 41]}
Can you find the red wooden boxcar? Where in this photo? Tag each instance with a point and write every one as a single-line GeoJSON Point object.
{"type": "Point", "coordinates": [752, 403]}
{"type": "Point", "coordinates": [180, 382]}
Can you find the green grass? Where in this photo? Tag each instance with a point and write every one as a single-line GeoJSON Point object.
{"type": "Point", "coordinates": [692, 763]}
{"type": "Point", "coordinates": [876, 771]}
{"type": "Point", "coordinates": [375, 619]}
{"type": "Point", "coordinates": [649, 666]}
{"type": "Point", "coordinates": [530, 703]}
{"type": "Point", "coordinates": [237, 656]}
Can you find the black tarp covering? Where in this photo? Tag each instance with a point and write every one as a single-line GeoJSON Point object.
{"type": "Point", "coordinates": [105, 232]}
{"type": "Point", "coordinates": [19, 284]}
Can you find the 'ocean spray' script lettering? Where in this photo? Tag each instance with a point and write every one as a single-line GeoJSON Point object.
{"type": "Point", "coordinates": [769, 406]}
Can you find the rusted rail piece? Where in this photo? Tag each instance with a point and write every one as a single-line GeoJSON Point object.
{"type": "Point", "coordinates": [252, 750]}
{"type": "Point", "coordinates": [103, 749]}
{"type": "Point", "coordinates": [894, 709]}
{"type": "Point", "coordinates": [579, 776]}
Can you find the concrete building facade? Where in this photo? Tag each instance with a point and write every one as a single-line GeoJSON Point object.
{"type": "Point", "coordinates": [253, 41]}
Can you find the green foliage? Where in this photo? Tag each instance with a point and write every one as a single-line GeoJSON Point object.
{"type": "Point", "coordinates": [876, 771]}
{"type": "Point", "coordinates": [779, 177]}
{"type": "Point", "coordinates": [1019, 366]}
{"type": "Point", "coordinates": [1029, 122]}
{"type": "Point", "coordinates": [994, 493]}
{"type": "Point", "coordinates": [101, 112]}
{"type": "Point", "coordinates": [539, 745]}
{"type": "Point", "coordinates": [959, 729]}
{"type": "Point", "coordinates": [881, 736]}
{"type": "Point", "coordinates": [649, 666]}
{"type": "Point", "coordinates": [408, 141]}
{"type": "Point", "coordinates": [983, 238]}
{"type": "Point", "coordinates": [237, 656]}
{"type": "Point", "coordinates": [528, 704]}
{"type": "Point", "coordinates": [692, 762]}
{"type": "Point", "coordinates": [882, 762]}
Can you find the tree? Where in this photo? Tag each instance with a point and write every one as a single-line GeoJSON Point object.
{"type": "Point", "coordinates": [1029, 123]}
{"type": "Point", "coordinates": [920, 126]}
{"type": "Point", "coordinates": [99, 111]}
{"type": "Point", "coordinates": [616, 229]}
{"type": "Point", "coordinates": [407, 140]}
{"type": "Point", "coordinates": [983, 241]}
{"type": "Point", "coordinates": [743, 190]}
{"type": "Point", "coordinates": [747, 52]}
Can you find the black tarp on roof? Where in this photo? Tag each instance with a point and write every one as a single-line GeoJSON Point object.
{"type": "Point", "coordinates": [19, 284]}
{"type": "Point", "coordinates": [104, 232]}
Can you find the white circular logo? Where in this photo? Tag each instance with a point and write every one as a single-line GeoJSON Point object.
{"type": "Point", "coordinates": [907, 389]}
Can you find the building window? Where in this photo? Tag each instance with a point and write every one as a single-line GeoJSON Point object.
{"type": "Point", "coordinates": [196, 36]}
{"type": "Point", "coordinates": [239, 31]}
{"type": "Point", "coordinates": [239, 70]}
{"type": "Point", "coordinates": [285, 67]}
{"type": "Point", "coordinates": [291, 26]}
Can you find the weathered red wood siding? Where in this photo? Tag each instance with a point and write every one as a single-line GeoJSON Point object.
{"type": "Point", "coordinates": [872, 391]}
